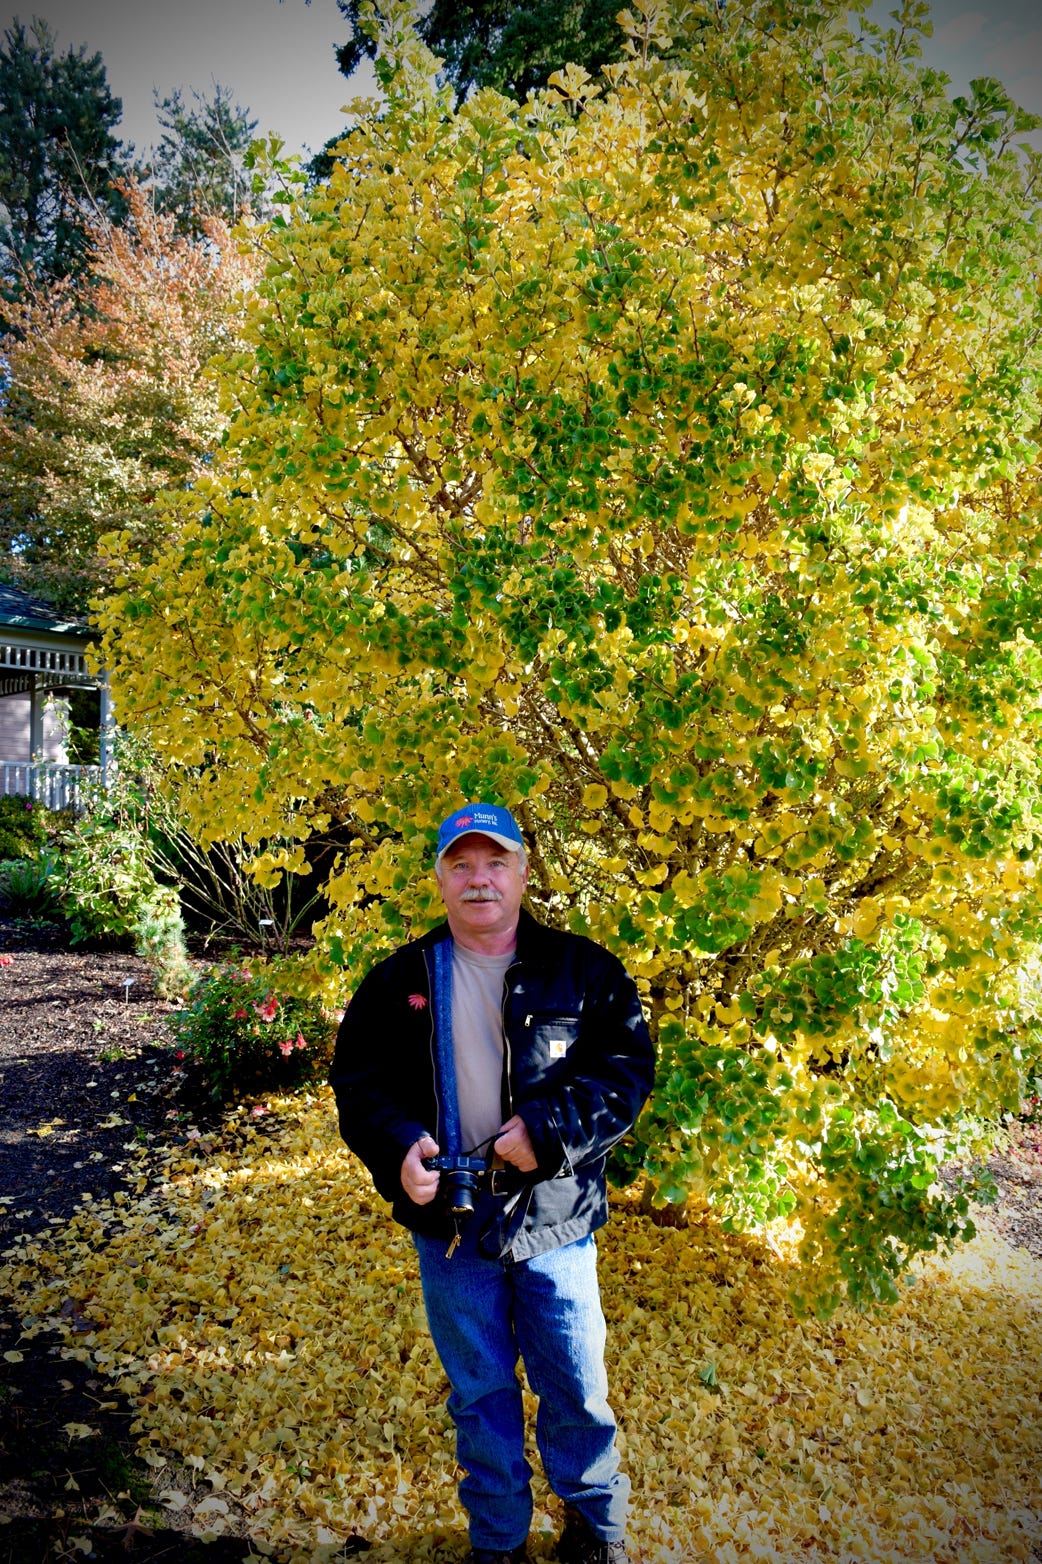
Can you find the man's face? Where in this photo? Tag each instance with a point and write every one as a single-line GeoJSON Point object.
{"type": "Point", "coordinates": [481, 889]}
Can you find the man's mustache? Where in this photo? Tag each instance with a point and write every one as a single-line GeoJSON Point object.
{"type": "Point", "coordinates": [481, 895]}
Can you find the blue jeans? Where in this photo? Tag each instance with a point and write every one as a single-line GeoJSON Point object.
{"type": "Point", "coordinates": [483, 1314]}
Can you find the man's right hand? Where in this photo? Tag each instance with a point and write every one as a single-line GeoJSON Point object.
{"type": "Point", "coordinates": [420, 1183]}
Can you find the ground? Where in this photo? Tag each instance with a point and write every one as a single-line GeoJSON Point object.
{"type": "Point", "coordinates": [88, 1081]}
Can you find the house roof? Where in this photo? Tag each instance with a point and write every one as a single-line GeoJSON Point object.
{"type": "Point", "coordinates": [19, 611]}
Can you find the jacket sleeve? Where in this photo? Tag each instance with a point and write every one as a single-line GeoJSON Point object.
{"type": "Point", "coordinates": [612, 1067]}
{"type": "Point", "coordinates": [366, 1078]}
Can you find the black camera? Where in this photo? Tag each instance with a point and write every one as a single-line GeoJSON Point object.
{"type": "Point", "coordinates": [460, 1181]}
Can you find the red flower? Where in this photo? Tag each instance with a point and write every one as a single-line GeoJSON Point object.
{"type": "Point", "coordinates": [6, 961]}
{"type": "Point", "coordinates": [418, 1001]}
{"type": "Point", "coordinates": [179, 1054]}
{"type": "Point", "coordinates": [268, 1008]}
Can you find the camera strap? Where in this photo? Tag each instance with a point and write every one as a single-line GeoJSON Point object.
{"type": "Point", "coordinates": [449, 1134]}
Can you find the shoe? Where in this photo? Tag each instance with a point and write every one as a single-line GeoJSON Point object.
{"type": "Point", "coordinates": [578, 1545]}
{"type": "Point", "coordinates": [518, 1555]}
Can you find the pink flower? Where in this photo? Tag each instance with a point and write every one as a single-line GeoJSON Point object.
{"type": "Point", "coordinates": [238, 1015]}
{"type": "Point", "coordinates": [268, 1008]}
{"type": "Point", "coordinates": [258, 1109]}
{"type": "Point", "coordinates": [6, 961]}
{"type": "Point", "coordinates": [418, 1001]}
{"type": "Point", "coordinates": [287, 1046]}
{"type": "Point", "coordinates": [299, 1041]}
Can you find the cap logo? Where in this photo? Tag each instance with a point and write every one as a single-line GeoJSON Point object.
{"type": "Point", "coordinates": [464, 820]}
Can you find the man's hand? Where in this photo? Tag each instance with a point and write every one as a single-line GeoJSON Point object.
{"type": "Point", "coordinates": [420, 1183]}
{"type": "Point", "coordinates": [514, 1146]}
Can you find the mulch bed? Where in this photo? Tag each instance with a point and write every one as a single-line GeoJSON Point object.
{"type": "Point", "coordinates": [88, 1081]}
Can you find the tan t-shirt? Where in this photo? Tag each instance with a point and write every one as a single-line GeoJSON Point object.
{"type": "Point", "coordinates": [477, 1043]}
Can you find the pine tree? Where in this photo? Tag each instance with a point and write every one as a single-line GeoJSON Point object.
{"type": "Point", "coordinates": [59, 159]}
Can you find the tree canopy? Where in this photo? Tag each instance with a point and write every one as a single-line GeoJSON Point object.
{"type": "Point", "coordinates": [59, 160]}
{"type": "Point", "coordinates": [106, 401]}
{"type": "Point", "coordinates": [661, 459]}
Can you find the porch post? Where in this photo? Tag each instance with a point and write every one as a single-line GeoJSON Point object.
{"type": "Point", "coordinates": [107, 725]}
{"type": "Point", "coordinates": [37, 696]}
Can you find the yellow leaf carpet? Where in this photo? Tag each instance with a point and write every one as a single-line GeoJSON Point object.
{"type": "Point", "coordinates": [255, 1300]}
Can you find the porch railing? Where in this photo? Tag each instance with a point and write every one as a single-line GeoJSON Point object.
{"type": "Point", "coordinates": [57, 787]}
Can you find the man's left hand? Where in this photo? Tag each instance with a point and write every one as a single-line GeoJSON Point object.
{"type": "Point", "coordinates": [514, 1146]}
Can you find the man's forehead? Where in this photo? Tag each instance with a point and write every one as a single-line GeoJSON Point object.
{"type": "Point", "coordinates": [474, 840]}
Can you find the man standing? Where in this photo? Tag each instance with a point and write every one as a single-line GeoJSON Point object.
{"type": "Point", "coordinates": [544, 1034]}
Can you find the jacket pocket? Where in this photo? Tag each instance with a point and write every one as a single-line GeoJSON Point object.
{"type": "Point", "coordinates": [551, 1039]}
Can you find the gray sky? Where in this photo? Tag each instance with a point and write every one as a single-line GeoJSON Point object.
{"type": "Point", "coordinates": [1001, 38]}
{"type": "Point", "coordinates": [277, 59]}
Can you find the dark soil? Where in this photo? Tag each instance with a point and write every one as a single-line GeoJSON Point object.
{"type": "Point", "coordinates": [88, 1081]}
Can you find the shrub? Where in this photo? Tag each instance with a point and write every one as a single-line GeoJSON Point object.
{"type": "Point", "coordinates": [108, 881]}
{"type": "Point", "coordinates": [248, 1036]}
{"type": "Point", "coordinates": [710, 544]}
{"type": "Point", "coordinates": [31, 886]}
{"type": "Point", "coordinates": [159, 936]}
{"type": "Point", "coordinates": [23, 826]}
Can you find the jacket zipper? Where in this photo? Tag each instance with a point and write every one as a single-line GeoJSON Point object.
{"type": "Point", "coordinates": [508, 1063]}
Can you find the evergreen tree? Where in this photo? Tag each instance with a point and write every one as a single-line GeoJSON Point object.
{"type": "Point", "coordinates": [198, 166]}
{"type": "Point", "coordinates": [59, 159]}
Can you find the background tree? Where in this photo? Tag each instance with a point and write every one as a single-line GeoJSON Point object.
{"type": "Point", "coordinates": [492, 43]}
{"type": "Point", "coordinates": [198, 170]}
{"type": "Point", "coordinates": [661, 459]}
{"type": "Point", "coordinates": [59, 161]}
{"type": "Point", "coordinates": [497, 43]}
{"type": "Point", "coordinates": [105, 400]}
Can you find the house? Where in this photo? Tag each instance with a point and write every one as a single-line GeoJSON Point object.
{"type": "Point", "coordinates": [43, 657]}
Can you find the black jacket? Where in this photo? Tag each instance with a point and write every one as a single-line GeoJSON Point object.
{"type": "Point", "coordinates": [577, 1098]}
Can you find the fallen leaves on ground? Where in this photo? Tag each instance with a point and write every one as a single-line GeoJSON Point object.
{"type": "Point", "coordinates": [266, 1315]}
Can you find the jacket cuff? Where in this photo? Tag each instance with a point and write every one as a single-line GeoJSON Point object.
{"type": "Point", "coordinates": [396, 1146]}
{"type": "Point", "coordinates": [551, 1154]}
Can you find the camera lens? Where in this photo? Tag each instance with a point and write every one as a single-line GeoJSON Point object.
{"type": "Point", "coordinates": [459, 1191]}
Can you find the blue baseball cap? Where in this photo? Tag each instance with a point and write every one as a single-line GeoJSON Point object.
{"type": "Point", "coordinates": [489, 819]}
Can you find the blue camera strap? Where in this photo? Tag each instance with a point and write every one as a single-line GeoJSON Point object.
{"type": "Point", "coordinates": [449, 1133]}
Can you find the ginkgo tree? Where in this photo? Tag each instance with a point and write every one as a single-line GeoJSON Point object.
{"type": "Point", "coordinates": [659, 456]}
